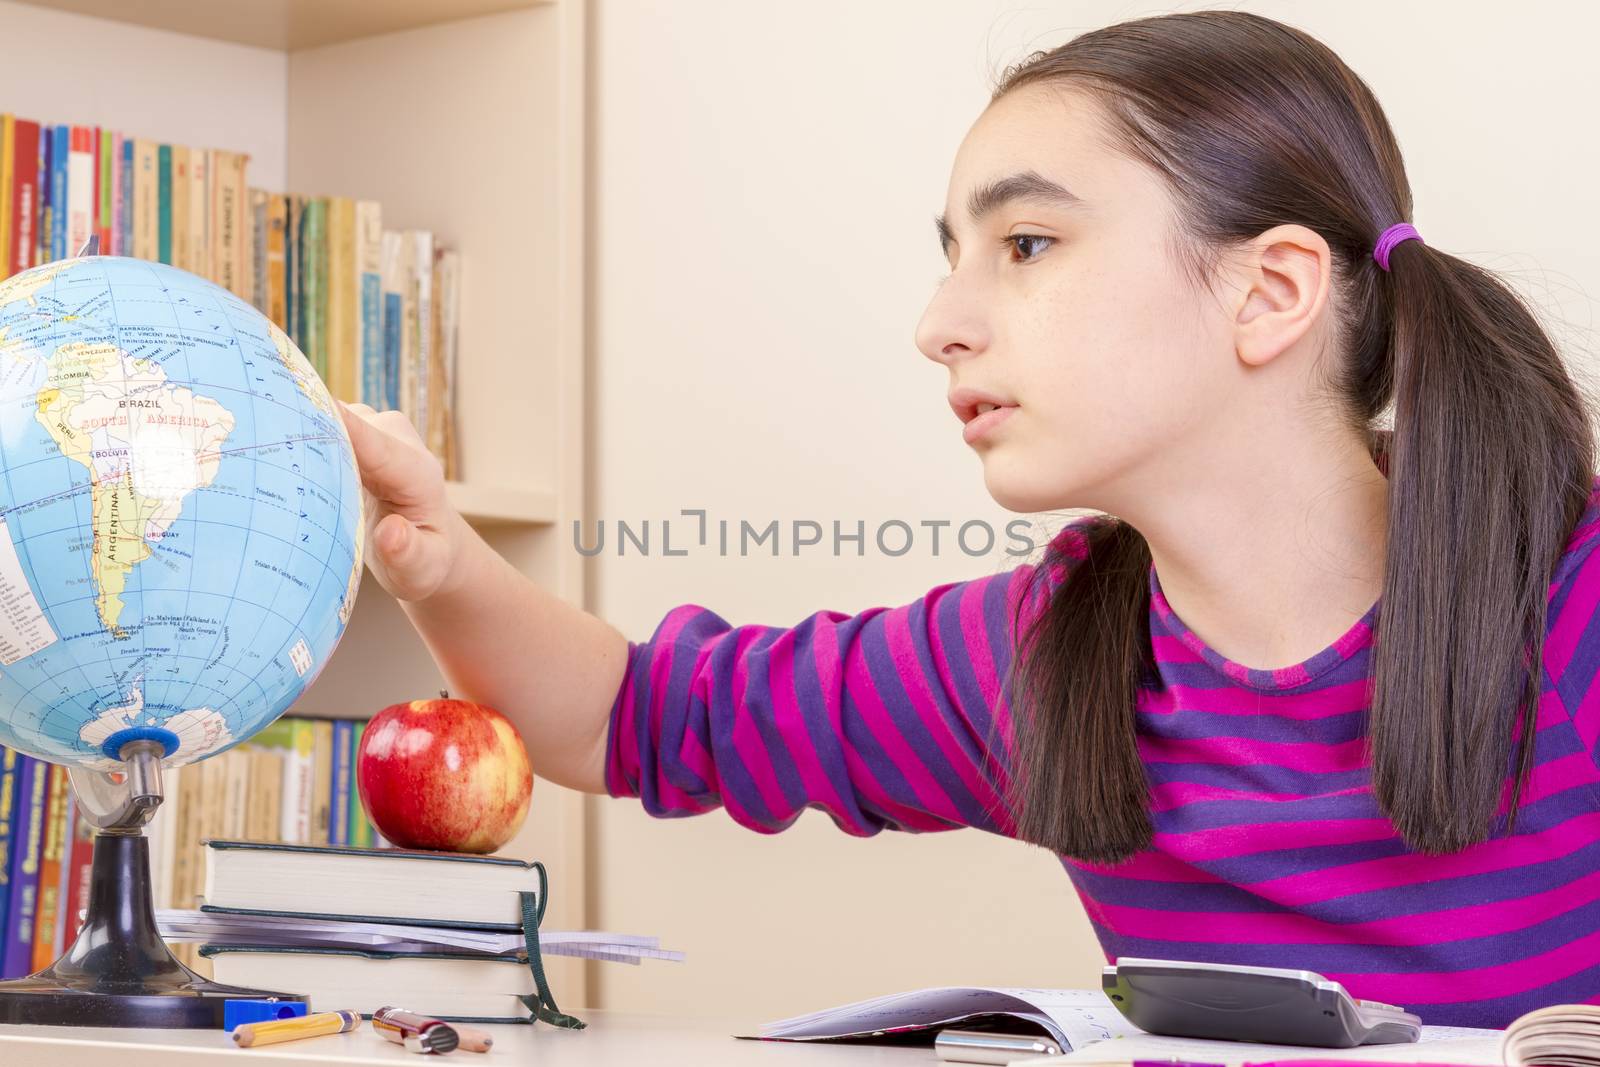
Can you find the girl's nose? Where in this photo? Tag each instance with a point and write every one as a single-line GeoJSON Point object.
{"type": "Point", "coordinates": [953, 324]}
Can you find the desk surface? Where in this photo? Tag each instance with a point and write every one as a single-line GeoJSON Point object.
{"type": "Point", "coordinates": [611, 1040]}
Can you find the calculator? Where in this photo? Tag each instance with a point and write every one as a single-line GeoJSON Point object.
{"type": "Point", "coordinates": [1264, 1005]}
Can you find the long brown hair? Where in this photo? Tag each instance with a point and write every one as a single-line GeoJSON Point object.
{"type": "Point", "coordinates": [1254, 124]}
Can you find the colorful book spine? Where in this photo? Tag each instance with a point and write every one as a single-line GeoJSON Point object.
{"type": "Point", "coordinates": [164, 203]}
{"type": "Point", "coordinates": [201, 168]}
{"type": "Point", "coordinates": [78, 189]}
{"type": "Point", "coordinates": [27, 845]}
{"type": "Point", "coordinates": [294, 269]}
{"type": "Point", "coordinates": [107, 185]}
{"type": "Point", "coordinates": [339, 812]}
{"type": "Point", "coordinates": [423, 323]}
{"type": "Point", "coordinates": [80, 854]}
{"type": "Point", "coordinates": [339, 283]}
{"type": "Point", "coordinates": [181, 187]}
{"type": "Point", "coordinates": [24, 196]}
{"type": "Point", "coordinates": [322, 779]}
{"type": "Point", "coordinates": [360, 825]}
{"type": "Point", "coordinates": [394, 320]}
{"type": "Point", "coordinates": [47, 141]}
{"type": "Point", "coordinates": [277, 263]}
{"type": "Point", "coordinates": [48, 909]}
{"type": "Point", "coordinates": [60, 208]}
{"type": "Point", "coordinates": [146, 190]}
{"type": "Point", "coordinates": [8, 149]}
{"type": "Point", "coordinates": [10, 765]}
{"type": "Point", "coordinates": [369, 276]}
{"type": "Point", "coordinates": [258, 275]}
{"type": "Point", "coordinates": [315, 297]}
{"type": "Point", "coordinates": [125, 188]}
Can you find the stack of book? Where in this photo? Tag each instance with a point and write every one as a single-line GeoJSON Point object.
{"type": "Point", "coordinates": [354, 929]}
{"type": "Point", "coordinates": [374, 310]}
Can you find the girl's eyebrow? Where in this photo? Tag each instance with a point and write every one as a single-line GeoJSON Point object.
{"type": "Point", "coordinates": [1024, 185]}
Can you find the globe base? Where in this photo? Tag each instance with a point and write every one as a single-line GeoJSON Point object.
{"type": "Point", "coordinates": [118, 971]}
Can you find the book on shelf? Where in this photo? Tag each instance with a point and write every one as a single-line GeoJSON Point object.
{"type": "Point", "coordinates": [321, 267]}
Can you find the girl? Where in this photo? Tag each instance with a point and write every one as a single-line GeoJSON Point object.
{"type": "Point", "coordinates": [1181, 294]}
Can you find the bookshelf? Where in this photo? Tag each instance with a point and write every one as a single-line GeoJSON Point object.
{"type": "Point", "coordinates": [464, 117]}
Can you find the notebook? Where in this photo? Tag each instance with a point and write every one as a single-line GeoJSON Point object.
{"type": "Point", "coordinates": [1080, 1019]}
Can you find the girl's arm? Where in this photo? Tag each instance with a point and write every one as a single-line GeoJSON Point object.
{"type": "Point", "coordinates": [888, 719]}
{"type": "Point", "coordinates": [498, 638]}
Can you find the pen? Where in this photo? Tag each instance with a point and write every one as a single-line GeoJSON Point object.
{"type": "Point", "coordinates": [983, 1046]}
{"type": "Point", "coordinates": [417, 1033]}
{"type": "Point", "coordinates": [273, 1031]}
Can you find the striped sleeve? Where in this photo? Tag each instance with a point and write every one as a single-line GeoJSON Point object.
{"type": "Point", "coordinates": [1572, 640]}
{"type": "Point", "coordinates": [889, 719]}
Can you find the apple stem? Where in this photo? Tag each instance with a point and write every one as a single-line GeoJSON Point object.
{"type": "Point", "coordinates": [444, 694]}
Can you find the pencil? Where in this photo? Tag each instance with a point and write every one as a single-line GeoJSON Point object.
{"type": "Point", "coordinates": [275, 1030]}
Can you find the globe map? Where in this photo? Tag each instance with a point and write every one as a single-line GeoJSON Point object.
{"type": "Point", "coordinates": [180, 514]}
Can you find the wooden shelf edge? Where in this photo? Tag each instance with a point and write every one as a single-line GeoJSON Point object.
{"type": "Point", "coordinates": [287, 25]}
{"type": "Point", "coordinates": [487, 505]}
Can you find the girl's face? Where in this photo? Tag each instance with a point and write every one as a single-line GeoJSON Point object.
{"type": "Point", "coordinates": [1064, 304]}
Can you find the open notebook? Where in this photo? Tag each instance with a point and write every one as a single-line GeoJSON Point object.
{"type": "Point", "coordinates": [1080, 1020]}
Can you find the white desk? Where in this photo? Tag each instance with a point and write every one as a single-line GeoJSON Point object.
{"type": "Point", "coordinates": [612, 1039]}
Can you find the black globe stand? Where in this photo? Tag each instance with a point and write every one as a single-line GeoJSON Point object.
{"type": "Point", "coordinates": [118, 971]}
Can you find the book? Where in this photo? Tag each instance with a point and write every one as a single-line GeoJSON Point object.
{"type": "Point", "coordinates": [339, 813]}
{"type": "Point", "coordinates": [146, 189]}
{"type": "Point", "coordinates": [106, 172]}
{"type": "Point", "coordinates": [164, 203]}
{"type": "Point", "coordinates": [27, 842]}
{"type": "Point", "coordinates": [79, 869]}
{"type": "Point", "coordinates": [1562, 1033]}
{"type": "Point", "coordinates": [9, 759]}
{"type": "Point", "coordinates": [444, 986]}
{"type": "Point", "coordinates": [422, 327]}
{"type": "Point", "coordinates": [200, 172]}
{"type": "Point", "coordinates": [1077, 1018]}
{"type": "Point", "coordinates": [51, 863]}
{"type": "Point", "coordinates": [342, 284]}
{"type": "Point", "coordinates": [371, 389]}
{"type": "Point", "coordinates": [60, 168]}
{"type": "Point", "coordinates": [8, 149]}
{"type": "Point", "coordinates": [24, 196]}
{"type": "Point", "coordinates": [403, 886]}
{"type": "Point", "coordinates": [441, 437]}
{"type": "Point", "coordinates": [79, 188]}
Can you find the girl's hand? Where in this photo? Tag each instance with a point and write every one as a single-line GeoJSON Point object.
{"type": "Point", "coordinates": [413, 535]}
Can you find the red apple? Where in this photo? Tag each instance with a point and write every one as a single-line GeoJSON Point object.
{"type": "Point", "coordinates": [444, 774]}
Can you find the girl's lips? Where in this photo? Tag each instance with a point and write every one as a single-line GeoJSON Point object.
{"type": "Point", "coordinates": [986, 422]}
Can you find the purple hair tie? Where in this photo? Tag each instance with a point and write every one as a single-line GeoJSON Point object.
{"type": "Point", "coordinates": [1400, 231]}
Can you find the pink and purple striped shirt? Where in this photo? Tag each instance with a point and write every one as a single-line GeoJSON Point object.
{"type": "Point", "coordinates": [1269, 847]}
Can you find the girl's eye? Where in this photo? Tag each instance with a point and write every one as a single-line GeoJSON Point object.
{"type": "Point", "coordinates": [1019, 241]}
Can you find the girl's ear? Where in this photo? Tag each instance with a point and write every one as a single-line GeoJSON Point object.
{"type": "Point", "coordinates": [1283, 285]}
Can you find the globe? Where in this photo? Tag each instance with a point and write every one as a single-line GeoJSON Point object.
{"type": "Point", "coordinates": [180, 514]}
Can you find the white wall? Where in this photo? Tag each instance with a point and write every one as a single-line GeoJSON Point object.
{"type": "Point", "coordinates": [764, 184]}
{"type": "Point", "coordinates": [241, 110]}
